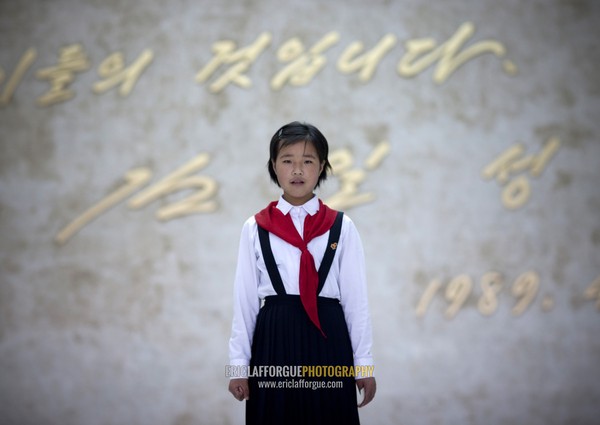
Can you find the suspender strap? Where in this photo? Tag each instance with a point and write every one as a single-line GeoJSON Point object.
{"type": "Point", "coordinates": [265, 246]}
{"type": "Point", "coordinates": [334, 237]}
{"type": "Point", "coordinates": [267, 252]}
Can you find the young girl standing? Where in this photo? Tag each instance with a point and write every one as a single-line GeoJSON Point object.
{"type": "Point", "coordinates": [300, 298]}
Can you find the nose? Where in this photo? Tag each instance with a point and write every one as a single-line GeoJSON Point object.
{"type": "Point", "coordinates": [297, 171]}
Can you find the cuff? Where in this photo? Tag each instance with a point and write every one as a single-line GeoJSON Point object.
{"type": "Point", "coordinates": [237, 368]}
{"type": "Point", "coordinates": [364, 367]}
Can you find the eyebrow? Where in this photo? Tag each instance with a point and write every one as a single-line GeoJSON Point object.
{"type": "Point", "coordinates": [306, 155]}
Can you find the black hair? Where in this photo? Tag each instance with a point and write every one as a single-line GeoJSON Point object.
{"type": "Point", "coordinates": [296, 132]}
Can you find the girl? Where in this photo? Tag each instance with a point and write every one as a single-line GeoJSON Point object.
{"type": "Point", "coordinates": [303, 262]}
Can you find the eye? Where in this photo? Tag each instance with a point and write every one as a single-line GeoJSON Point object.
{"type": "Point", "coordinates": [308, 161]}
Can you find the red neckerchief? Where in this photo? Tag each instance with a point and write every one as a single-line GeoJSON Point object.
{"type": "Point", "coordinates": [281, 225]}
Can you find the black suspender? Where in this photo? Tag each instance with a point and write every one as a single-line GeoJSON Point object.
{"type": "Point", "coordinates": [265, 246]}
{"type": "Point", "coordinates": [332, 243]}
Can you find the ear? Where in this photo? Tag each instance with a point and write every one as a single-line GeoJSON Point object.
{"type": "Point", "coordinates": [322, 166]}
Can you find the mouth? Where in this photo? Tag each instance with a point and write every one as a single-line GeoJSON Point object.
{"type": "Point", "coordinates": [297, 182]}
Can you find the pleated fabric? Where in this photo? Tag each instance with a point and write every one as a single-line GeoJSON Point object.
{"type": "Point", "coordinates": [285, 336]}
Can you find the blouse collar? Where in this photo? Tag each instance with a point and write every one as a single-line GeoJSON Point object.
{"type": "Point", "coordinates": [311, 206]}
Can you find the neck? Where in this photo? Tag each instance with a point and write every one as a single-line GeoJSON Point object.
{"type": "Point", "coordinates": [298, 201]}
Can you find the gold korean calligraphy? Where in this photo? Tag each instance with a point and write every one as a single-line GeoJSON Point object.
{"type": "Point", "coordinates": [230, 64]}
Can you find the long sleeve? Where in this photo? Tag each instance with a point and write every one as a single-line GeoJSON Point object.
{"type": "Point", "coordinates": [353, 294]}
{"type": "Point", "coordinates": [246, 302]}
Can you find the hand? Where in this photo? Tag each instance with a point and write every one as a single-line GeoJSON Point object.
{"type": "Point", "coordinates": [368, 386]}
{"type": "Point", "coordinates": [239, 388]}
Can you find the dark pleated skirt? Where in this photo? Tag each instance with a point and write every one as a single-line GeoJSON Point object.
{"type": "Point", "coordinates": [285, 336]}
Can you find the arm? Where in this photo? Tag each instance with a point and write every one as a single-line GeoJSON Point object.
{"type": "Point", "coordinates": [354, 301]}
{"type": "Point", "coordinates": [245, 309]}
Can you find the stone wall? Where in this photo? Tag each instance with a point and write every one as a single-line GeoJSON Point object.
{"type": "Point", "coordinates": [133, 146]}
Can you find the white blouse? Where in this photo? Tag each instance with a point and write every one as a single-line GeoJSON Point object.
{"type": "Point", "coordinates": [346, 281]}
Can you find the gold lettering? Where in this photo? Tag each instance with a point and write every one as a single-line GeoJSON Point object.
{"type": "Point", "coordinates": [367, 62]}
{"type": "Point", "coordinates": [539, 163]}
{"type": "Point", "coordinates": [198, 202]}
{"type": "Point", "coordinates": [347, 195]}
{"type": "Point", "coordinates": [379, 153]}
{"type": "Point", "coordinates": [427, 296]}
{"type": "Point", "coordinates": [303, 66]}
{"type": "Point", "coordinates": [491, 285]}
{"type": "Point", "coordinates": [457, 292]}
{"type": "Point", "coordinates": [525, 288]}
{"type": "Point", "coordinates": [422, 53]}
{"type": "Point", "coordinates": [238, 60]}
{"type": "Point", "coordinates": [11, 85]}
{"type": "Point", "coordinates": [114, 72]}
{"type": "Point", "coordinates": [72, 59]}
{"type": "Point", "coordinates": [179, 180]}
{"type": "Point", "coordinates": [500, 167]}
{"type": "Point", "coordinates": [518, 191]}
{"type": "Point", "coordinates": [133, 180]}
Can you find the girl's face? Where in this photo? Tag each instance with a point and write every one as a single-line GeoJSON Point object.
{"type": "Point", "coordinates": [298, 168]}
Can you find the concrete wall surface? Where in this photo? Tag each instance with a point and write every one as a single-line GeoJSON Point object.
{"type": "Point", "coordinates": [134, 137]}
